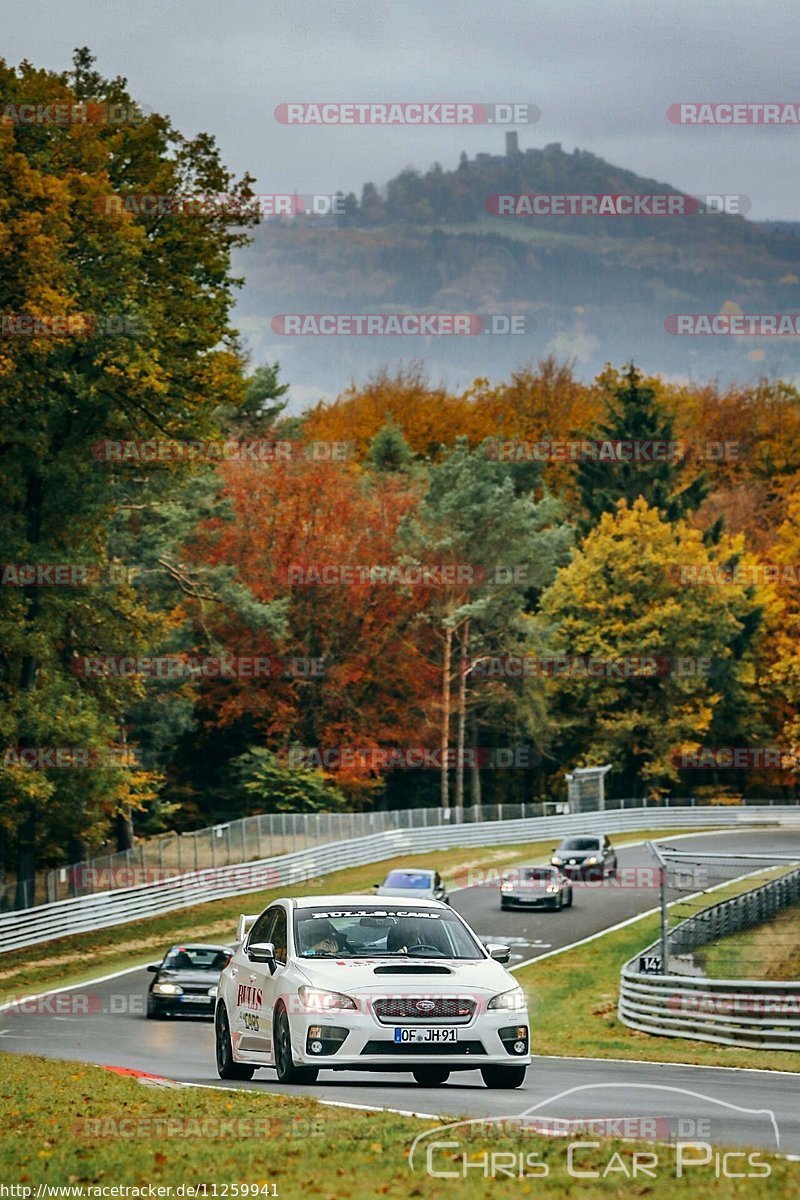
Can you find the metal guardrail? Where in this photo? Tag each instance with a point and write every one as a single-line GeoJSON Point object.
{"type": "Point", "coordinates": [271, 834]}
{"type": "Point", "coordinates": [32, 926]}
{"type": "Point", "coordinates": [755, 1014]}
{"type": "Point", "coordinates": [267, 835]}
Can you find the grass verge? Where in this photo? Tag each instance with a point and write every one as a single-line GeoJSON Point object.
{"type": "Point", "coordinates": [770, 951]}
{"type": "Point", "coordinates": [83, 956]}
{"type": "Point", "coordinates": [86, 1127]}
{"type": "Point", "coordinates": [573, 1004]}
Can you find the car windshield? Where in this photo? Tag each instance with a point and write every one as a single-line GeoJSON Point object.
{"type": "Point", "coordinates": [536, 875]}
{"type": "Point", "coordinates": [407, 879]}
{"type": "Point", "coordinates": [382, 933]}
{"type": "Point", "coordinates": [580, 844]}
{"type": "Point", "coordinates": [195, 958]}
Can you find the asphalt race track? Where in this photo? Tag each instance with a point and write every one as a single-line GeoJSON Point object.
{"type": "Point", "coordinates": [737, 1104]}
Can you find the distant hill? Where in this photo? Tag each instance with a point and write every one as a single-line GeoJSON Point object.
{"type": "Point", "coordinates": [598, 288]}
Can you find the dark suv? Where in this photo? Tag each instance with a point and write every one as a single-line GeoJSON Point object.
{"type": "Point", "coordinates": [585, 857]}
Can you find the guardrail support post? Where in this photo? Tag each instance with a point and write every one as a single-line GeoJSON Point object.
{"type": "Point", "coordinates": [662, 888]}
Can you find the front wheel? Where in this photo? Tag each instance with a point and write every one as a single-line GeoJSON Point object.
{"type": "Point", "coordinates": [284, 1065]}
{"type": "Point", "coordinates": [569, 898]}
{"type": "Point", "coordinates": [503, 1077]}
{"type": "Point", "coordinates": [431, 1076]}
{"type": "Point", "coordinates": [226, 1067]}
{"type": "Point", "coordinates": [153, 1013]}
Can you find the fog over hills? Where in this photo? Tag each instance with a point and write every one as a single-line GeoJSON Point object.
{"type": "Point", "coordinates": [592, 288]}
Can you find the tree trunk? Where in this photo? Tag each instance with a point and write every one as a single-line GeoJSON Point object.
{"type": "Point", "coordinates": [26, 861]}
{"type": "Point", "coordinates": [444, 744]}
{"type": "Point", "coordinates": [124, 830]}
{"type": "Point", "coordinates": [462, 720]}
{"type": "Point", "coordinates": [474, 773]}
{"type": "Point", "coordinates": [26, 842]}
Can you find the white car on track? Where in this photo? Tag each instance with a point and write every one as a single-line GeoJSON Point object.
{"type": "Point", "coordinates": [363, 983]}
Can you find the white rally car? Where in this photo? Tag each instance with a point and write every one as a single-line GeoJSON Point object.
{"type": "Point", "coordinates": [363, 983]}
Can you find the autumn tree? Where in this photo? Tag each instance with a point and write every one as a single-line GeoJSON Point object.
{"type": "Point", "coordinates": [471, 517]}
{"type": "Point", "coordinates": [148, 352]}
{"type": "Point", "coordinates": [624, 601]}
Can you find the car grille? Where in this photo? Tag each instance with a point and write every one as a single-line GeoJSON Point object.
{"type": "Point", "coordinates": [456, 1009]}
{"type": "Point", "coordinates": [423, 1049]}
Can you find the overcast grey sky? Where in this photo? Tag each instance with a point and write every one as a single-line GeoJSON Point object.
{"type": "Point", "coordinates": [602, 72]}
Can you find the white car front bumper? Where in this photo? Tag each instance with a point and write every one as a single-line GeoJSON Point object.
{"type": "Point", "coordinates": [369, 1043]}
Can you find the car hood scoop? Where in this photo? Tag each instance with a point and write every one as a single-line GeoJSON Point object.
{"type": "Point", "coordinates": [403, 969]}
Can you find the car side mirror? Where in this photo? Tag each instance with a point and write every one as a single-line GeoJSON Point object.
{"type": "Point", "coordinates": [154, 967]}
{"type": "Point", "coordinates": [499, 953]}
{"type": "Point", "coordinates": [263, 952]}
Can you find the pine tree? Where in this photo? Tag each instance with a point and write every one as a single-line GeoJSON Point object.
{"type": "Point", "coordinates": [634, 415]}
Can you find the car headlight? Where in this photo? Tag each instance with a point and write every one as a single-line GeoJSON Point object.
{"type": "Point", "coordinates": [552, 888]}
{"type": "Point", "coordinates": [322, 1001]}
{"type": "Point", "coordinates": [556, 861]}
{"type": "Point", "coordinates": [167, 989]}
{"type": "Point", "coordinates": [511, 1001]}
{"type": "Point", "coordinates": [590, 861]}
{"type": "Point", "coordinates": [506, 886]}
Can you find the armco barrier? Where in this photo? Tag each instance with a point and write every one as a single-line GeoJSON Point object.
{"type": "Point", "coordinates": [755, 1014]}
{"type": "Point", "coordinates": [34, 925]}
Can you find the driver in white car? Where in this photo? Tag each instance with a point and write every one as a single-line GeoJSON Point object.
{"type": "Point", "coordinates": [320, 938]}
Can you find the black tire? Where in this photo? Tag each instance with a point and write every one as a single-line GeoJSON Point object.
{"type": "Point", "coordinates": [154, 1013]}
{"type": "Point", "coordinates": [503, 1077]}
{"type": "Point", "coordinates": [431, 1076]}
{"type": "Point", "coordinates": [285, 1068]}
{"type": "Point", "coordinates": [226, 1067]}
{"type": "Point", "coordinates": [559, 904]}
{"type": "Point", "coordinates": [569, 898]}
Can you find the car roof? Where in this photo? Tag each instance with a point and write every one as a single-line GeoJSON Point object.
{"type": "Point", "coordinates": [362, 901]}
{"type": "Point", "coordinates": [196, 946]}
{"type": "Point", "coordinates": [410, 871]}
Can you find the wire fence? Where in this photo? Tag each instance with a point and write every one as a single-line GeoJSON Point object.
{"type": "Point", "coordinates": [44, 922]}
{"type": "Point", "coordinates": [269, 835]}
{"type": "Point", "coordinates": [720, 972]}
